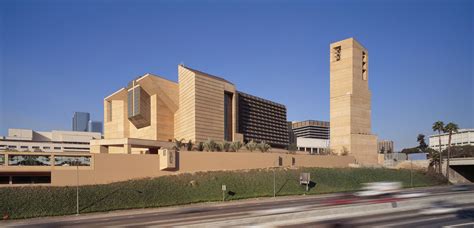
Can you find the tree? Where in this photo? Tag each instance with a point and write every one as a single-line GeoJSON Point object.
{"type": "Point", "coordinates": [433, 156]}
{"type": "Point", "coordinates": [292, 148]}
{"type": "Point", "coordinates": [382, 150]}
{"type": "Point", "coordinates": [450, 128]}
{"type": "Point", "coordinates": [410, 150]}
{"type": "Point", "coordinates": [178, 144]}
{"type": "Point", "coordinates": [189, 145]}
{"type": "Point", "coordinates": [199, 146]}
{"type": "Point", "coordinates": [421, 141]}
{"type": "Point", "coordinates": [439, 127]}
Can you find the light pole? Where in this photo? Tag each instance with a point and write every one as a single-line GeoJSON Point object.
{"type": "Point", "coordinates": [411, 173]}
{"type": "Point", "coordinates": [274, 184]}
{"type": "Point", "coordinates": [77, 187]}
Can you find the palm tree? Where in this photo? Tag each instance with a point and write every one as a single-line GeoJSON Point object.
{"type": "Point", "coordinates": [422, 144]}
{"type": "Point", "coordinates": [449, 128]}
{"type": "Point", "coordinates": [178, 144]}
{"type": "Point", "coordinates": [439, 127]}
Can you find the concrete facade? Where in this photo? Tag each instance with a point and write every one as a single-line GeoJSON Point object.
{"type": "Point", "coordinates": [42, 141]}
{"type": "Point", "coordinates": [350, 102]}
{"type": "Point", "coordinates": [197, 108]}
{"type": "Point", "coordinates": [462, 138]}
{"type": "Point", "coordinates": [312, 146]}
{"type": "Point", "coordinates": [385, 145]}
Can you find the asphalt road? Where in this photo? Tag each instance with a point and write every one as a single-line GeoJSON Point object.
{"type": "Point", "coordinates": [204, 213]}
{"type": "Point", "coordinates": [464, 217]}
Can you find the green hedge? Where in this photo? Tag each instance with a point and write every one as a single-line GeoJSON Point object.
{"type": "Point", "coordinates": [24, 202]}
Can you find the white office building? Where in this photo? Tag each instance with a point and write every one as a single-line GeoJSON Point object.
{"type": "Point", "coordinates": [54, 141]}
{"type": "Point", "coordinates": [312, 145]}
{"type": "Point", "coordinates": [462, 138]}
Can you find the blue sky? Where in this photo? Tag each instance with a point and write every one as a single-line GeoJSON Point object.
{"type": "Point", "coordinates": [58, 57]}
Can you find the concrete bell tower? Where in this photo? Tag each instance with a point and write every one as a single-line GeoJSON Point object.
{"type": "Point", "coordinates": [350, 102]}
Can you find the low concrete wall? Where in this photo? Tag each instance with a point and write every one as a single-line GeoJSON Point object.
{"type": "Point", "coordinates": [109, 168]}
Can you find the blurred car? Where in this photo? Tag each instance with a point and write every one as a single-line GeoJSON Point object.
{"type": "Point", "coordinates": [411, 195]}
{"type": "Point", "coordinates": [439, 207]}
{"type": "Point", "coordinates": [379, 188]}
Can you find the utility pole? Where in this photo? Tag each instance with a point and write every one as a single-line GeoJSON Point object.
{"type": "Point", "coordinates": [77, 187]}
{"type": "Point", "coordinates": [411, 173]}
{"type": "Point", "coordinates": [274, 181]}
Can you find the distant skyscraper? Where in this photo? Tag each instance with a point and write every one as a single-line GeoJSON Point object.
{"type": "Point", "coordinates": [80, 121]}
{"type": "Point", "coordinates": [95, 126]}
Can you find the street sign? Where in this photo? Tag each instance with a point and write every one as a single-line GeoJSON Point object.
{"type": "Point", "coordinates": [305, 178]}
{"type": "Point", "coordinates": [224, 188]}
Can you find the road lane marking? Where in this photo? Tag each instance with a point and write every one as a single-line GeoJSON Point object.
{"type": "Point", "coordinates": [462, 224]}
{"type": "Point", "coordinates": [417, 221]}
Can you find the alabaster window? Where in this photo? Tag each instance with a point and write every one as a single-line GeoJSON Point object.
{"type": "Point", "coordinates": [337, 53]}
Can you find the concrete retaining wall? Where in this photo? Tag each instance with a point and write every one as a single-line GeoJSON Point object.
{"type": "Point", "coordinates": [109, 168]}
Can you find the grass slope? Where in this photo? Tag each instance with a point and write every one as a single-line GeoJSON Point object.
{"type": "Point", "coordinates": [25, 202]}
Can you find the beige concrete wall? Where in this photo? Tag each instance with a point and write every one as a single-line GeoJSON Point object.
{"type": "Point", "coordinates": [201, 106]}
{"type": "Point", "coordinates": [163, 105]}
{"type": "Point", "coordinates": [109, 168]}
{"type": "Point", "coordinates": [350, 103]}
{"type": "Point", "coordinates": [185, 117]}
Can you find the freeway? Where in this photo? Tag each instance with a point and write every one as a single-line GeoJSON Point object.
{"type": "Point", "coordinates": [266, 211]}
{"type": "Point", "coordinates": [464, 217]}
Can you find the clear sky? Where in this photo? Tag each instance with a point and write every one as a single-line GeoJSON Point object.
{"type": "Point", "coordinates": [58, 57]}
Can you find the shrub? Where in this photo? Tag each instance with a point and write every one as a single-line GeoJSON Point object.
{"type": "Point", "coordinates": [199, 146]}
{"type": "Point", "coordinates": [292, 147]}
{"type": "Point", "coordinates": [236, 146]}
{"type": "Point", "coordinates": [226, 146]}
{"type": "Point", "coordinates": [251, 146]}
{"type": "Point", "coordinates": [36, 201]}
{"type": "Point", "coordinates": [263, 147]}
{"type": "Point", "coordinates": [210, 145]}
{"type": "Point", "coordinates": [189, 145]}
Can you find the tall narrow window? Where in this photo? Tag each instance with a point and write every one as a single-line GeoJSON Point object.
{"type": "Point", "coordinates": [109, 111]}
{"type": "Point", "coordinates": [228, 116]}
{"type": "Point", "coordinates": [337, 53]}
{"type": "Point", "coordinates": [138, 106]}
{"type": "Point", "coordinates": [364, 66]}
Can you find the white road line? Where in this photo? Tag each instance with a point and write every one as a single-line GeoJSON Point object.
{"type": "Point", "coordinates": [463, 224]}
{"type": "Point", "coordinates": [416, 221]}
{"type": "Point", "coordinates": [174, 221]}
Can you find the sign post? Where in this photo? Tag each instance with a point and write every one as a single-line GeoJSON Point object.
{"type": "Point", "coordinates": [305, 179]}
{"type": "Point", "coordinates": [224, 188]}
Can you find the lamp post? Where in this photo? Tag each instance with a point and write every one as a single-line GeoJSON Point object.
{"type": "Point", "coordinates": [411, 173]}
{"type": "Point", "coordinates": [274, 184]}
{"type": "Point", "coordinates": [77, 186]}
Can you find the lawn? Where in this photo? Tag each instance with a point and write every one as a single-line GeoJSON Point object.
{"type": "Point", "coordinates": [25, 202]}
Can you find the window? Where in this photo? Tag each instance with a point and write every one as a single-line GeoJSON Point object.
{"type": "Point", "coordinates": [364, 66]}
{"type": "Point", "coordinates": [72, 161]}
{"type": "Point", "coordinates": [35, 147]}
{"type": "Point", "coordinates": [57, 148]}
{"type": "Point", "coordinates": [109, 111]}
{"type": "Point", "coordinates": [46, 147]}
{"type": "Point", "coordinates": [24, 147]}
{"type": "Point", "coordinates": [12, 147]}
{"type": "Point", "coordinates": [29, 160]}
{"type": "Point", "coordinates": [337, 53]}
